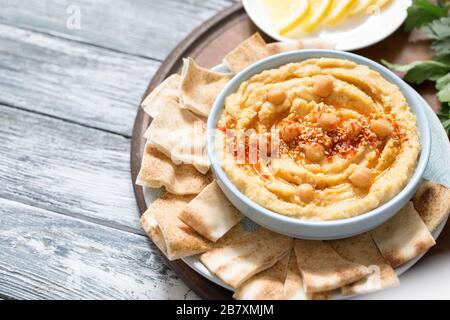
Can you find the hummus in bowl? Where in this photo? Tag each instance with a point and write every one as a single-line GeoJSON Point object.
{"type": "Point", "coordinates": [343, 139]}
{"type": "Point", "coordinates": [323, 137]}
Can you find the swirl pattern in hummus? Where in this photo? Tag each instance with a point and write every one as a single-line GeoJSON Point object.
{"type": "Point", "coordinates": [346, 140]}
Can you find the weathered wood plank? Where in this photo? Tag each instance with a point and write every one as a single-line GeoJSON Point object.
{"type": "Point", "coordinates": [149, 28]}
{"type": "Point", "coordinates": [54, 174]}
{"type": "Point", "coordinates": [69, 80]}
{"type": "Point", "coordinates": [66, 168]}
{"type": "Point", "coordinates": [50, 256]}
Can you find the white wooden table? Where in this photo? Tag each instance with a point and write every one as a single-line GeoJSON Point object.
{"type": "Point", "coordinates": [68, 218]}
{"type": "Point", "coordinates": [69, 223]}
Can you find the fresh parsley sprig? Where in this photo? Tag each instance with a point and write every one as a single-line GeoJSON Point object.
{"type": "Point", "coordinates": [423, 12]}
{"type": "Point", "coordinates": [434, 20]}
{"type": "Point", "coordinates": [439, 31]}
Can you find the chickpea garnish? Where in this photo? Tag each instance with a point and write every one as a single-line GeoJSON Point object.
{"type": "Point", "coordinates": [323, 86]}
{"type": "Point", "coordinates": [314, 152]}
{"type": "Point", "coordinates": [301, 107]}
{"type": "Point", "coordinates": [276, 96]}
{"type": "Point", "coordinates": [306, 192]}
{"type": "Point", "coordinates": [361, 177]}
{"type": "Point", "coordinates": [328, 121]}
{"type": "Point", "coordinates": [381, 127]}
{"type": "Point", "coordinates": [289, 132]}
{"type": "Point", "coordinates": [352, 129]}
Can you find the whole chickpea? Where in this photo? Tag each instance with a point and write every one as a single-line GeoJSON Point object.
{"type": "Point", "coordinates": [323, 86]}
{"type": "Point", "coordinates": [361, 177]}
{"type": "Point", "coordinates": [289, 132]}
{"type": "Point", "coordinates": [306, 192]}
{"type": "Point", "coordinates": [301, 107]}
{"type": "Point", "coordinates": [328, 121]}
{"type": "Point", "coordinates": [276, 96]}
{"type": "Point", "coordinates": [353, 129]}
{"type": "Point", "coordinates": [381, 127]}
{"type": "Point", "coordinates": [314, 152]}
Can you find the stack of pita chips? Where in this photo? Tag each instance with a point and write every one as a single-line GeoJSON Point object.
{"type": "Point", "coordinates": [195, 218]}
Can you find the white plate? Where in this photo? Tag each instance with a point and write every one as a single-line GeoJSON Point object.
{"type": "Point", "coordinates": [354, 33]}
{"type": "Point", "coordinates": [437, 171]}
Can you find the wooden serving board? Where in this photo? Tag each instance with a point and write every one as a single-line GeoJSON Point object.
{"type": "Point", "coordinates": [208, 44]}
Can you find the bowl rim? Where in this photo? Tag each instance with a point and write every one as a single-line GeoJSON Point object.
{"type": "Point", "coordinates": [272, 62]}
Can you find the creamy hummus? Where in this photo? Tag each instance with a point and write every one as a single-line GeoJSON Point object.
{"type": "Point", "coordinates": [342, 139]}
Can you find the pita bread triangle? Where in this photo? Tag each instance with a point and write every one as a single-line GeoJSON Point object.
{"type": "Point", "coordinates": [210, 213]}
{"type": "Point", "coordinates": [432, 202]}
{"type": "Point", "coordinates": [293, 285]}
{"type": "Point", "coordinates": [181, 136]}
{"type": "Point", "coordinates": [403, 237]}
{"type": "Point", "coordinates": [323, 269]}
{"type": "Point", "coordinates": [180, 239]}
{"type": "Point", "coordinates": [165, 93]}
{"type": "Point", "coordinates": [150, 226]}
{"type": "Point", "coordinates": [246, 53]}
{"type": "Point", "coordinates": [157, 170]}
{"type": "Point", "coordinates": [266, 285]}
{"type": "Point", "coordinates": [238, 261]}
{"type": "Point", "coordinates": [199, 87]}
{"type": "Point", "coordinates": [362, 249]}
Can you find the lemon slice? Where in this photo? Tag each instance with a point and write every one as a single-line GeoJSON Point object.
{"type": "Point", "coordinates": [318, 9]}
{"type": "Point", "coordinates": [339, 10]}
{"type": "Point", "coordinates": [286, 14]}
{"type": "Point", "coordinates": [360, 6]}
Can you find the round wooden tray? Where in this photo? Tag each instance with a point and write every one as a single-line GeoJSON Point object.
{"type": "Point", "coordinates": [208, 44]}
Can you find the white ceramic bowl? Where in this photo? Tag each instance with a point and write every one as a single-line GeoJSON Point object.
{"type": "Point", "coordinates": [308, 229]}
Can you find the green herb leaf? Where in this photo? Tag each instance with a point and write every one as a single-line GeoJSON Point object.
{"type": "Point", "coordinates": [446, 123]}
{"type": "Point", "coordinates": [444, 116]}
{"type": "Point", "coordinates": [400, 67]}
{"type": "Point", "coordinates": [442, 82]}
{"type": "Point", "coordinates": [443, 87]}
{"type": "Point", "coordinates": [444, 94]}
{"type": "Point", "coordinates": [419, 71]}
{"type": "Point", "coordinates": [445, 110]}
{"type": "Point", "coordinates": [444, 58]}
{"type": "Point", "coordinates": [441, 47]}
{"type": "Point", "coordinates": [438, 29]}
{"type": "Point", "coordinates": [442, 3]}
{"type": "Point", "coordinates": [434, 20]}
{"type": "Point", "coordinates": [422, 12]}
{"type": "Point", "coordinates": [427, 70]}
